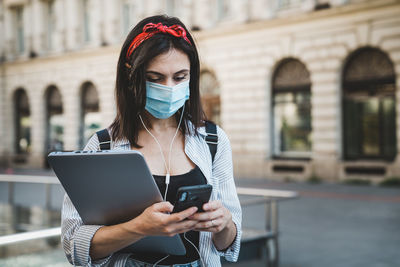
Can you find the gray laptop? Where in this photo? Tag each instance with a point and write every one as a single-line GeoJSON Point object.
{"type": "Point", "coordinates": [109, 187]}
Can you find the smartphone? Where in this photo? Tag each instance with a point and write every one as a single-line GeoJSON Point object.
{"type": "Point", "coordinates": [192, 196]}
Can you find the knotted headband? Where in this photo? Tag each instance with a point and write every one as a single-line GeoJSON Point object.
{"type": "Point", "coordinates": [151, 29]}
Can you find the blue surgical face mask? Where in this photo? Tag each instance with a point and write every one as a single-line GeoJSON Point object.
{"type": "Point", "coordinates": [163, 101]}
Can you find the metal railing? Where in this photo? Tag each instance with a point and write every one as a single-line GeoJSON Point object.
{"type": "Point", "coordinates": [260, 196]}
{"type": "Point", "coordinates": [47, 181]}
{"type": "Point", "coordinates": [269, 235]}
{"type": "Point", "coordinates": [28, 236]}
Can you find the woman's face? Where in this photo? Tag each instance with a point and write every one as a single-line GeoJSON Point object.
{"type": "Point", "coordinates": [169, 69]}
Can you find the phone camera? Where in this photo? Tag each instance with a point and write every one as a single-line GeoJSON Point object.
{"type": "Point", "coordinates": [183, 196]}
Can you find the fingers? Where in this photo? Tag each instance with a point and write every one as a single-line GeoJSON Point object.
{"type": "Point", "coordinates": [207, 216]}
{"type": "Point", "coordinates": [163, 206]}
{"type": "Point", "coordinates": [212, 205]}
{"type": "Point", "coordinates": [213, 226]}
{"type": "Point", "coordinates": [212, 210]}
{"type": "Point", "coordinates": [185, 226]}
{"type": "Point", "coordinates": [180, 216]}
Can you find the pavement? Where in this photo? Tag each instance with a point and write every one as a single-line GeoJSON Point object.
{"type": "Point", "coordinates": [334, 225]}
{"type": "Point", "coordinates": [328, 225]}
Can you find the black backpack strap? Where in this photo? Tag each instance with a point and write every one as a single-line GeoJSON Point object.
{"type": "Point", "coordinates": [104, 139]}
{"type": "Point", "coordinates": [211, 138]}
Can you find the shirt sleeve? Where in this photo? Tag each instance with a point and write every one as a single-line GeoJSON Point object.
{"type": "Point", "coordinates": [76, 237]}
{"type": "Point", "coordinates": [223, 172]}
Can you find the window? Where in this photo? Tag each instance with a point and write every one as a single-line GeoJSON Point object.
{"type": "Point", "coordinates": [90, 115]}
{"type": "Point", "coordinates": [288, 4]}
{"type": "Point", "coordinates": [127, 16]}
{"type": "Point", "coordinates": [55, 120]}
{"type": "Point", "coordinates": [210, 96]}
{"type": "Point", "coordinates": [369, 113]}
{"type": "Point", "coordinates": [22, 122]}
{"type": "Point", "coordinates": [51, 23]}
{"type": "Point", "coordinates": [291, 101]}
{"type": "Point", "coordinates": [86, 21]}
{"type": "Point", "coordinates": [18, 14]}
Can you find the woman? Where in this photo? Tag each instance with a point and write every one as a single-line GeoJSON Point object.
{"type": "Point", "coordinates": [159, 114]}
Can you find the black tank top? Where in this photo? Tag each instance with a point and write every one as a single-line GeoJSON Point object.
{"type": "Point", "coordinates": [193, 177]}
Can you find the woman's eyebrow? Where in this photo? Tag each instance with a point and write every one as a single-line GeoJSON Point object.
{"type": "Point", "coordinates": [182, 71]}
{"type": "Point", "coordinates": [160, 74]}
{"type": "Point", "coordinates": [154, 72]}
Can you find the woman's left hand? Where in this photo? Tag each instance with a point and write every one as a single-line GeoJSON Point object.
{"type": "Point", "coordinates": [214, 218]}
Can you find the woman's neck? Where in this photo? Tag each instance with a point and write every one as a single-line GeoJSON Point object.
{"type": "Point", "coordinates": [162, 125]}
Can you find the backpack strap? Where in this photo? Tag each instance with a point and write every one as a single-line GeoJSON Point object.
{"type": "Point", "coordinates": [211, 138]}
{"type": "Point", "coordinates": [104, 139]}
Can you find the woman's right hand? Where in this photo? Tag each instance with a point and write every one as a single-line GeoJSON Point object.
{"type": "Point", "coordinates": [156, 220]}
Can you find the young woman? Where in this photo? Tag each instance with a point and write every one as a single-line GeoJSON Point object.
{"type": "Point", "coordinates": [159, 114]}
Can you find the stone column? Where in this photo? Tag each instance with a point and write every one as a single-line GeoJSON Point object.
{"type": "Point", "coordinates": [71, 107]}
{"type": "Point", "coordinates": [38, 128]}
{"type": "Point", "coordinates": [38, 31]}
{"type": "Point", "coordinates": [73, 19]}
{"type": "Point", "coordinates": [6, 129]}
{"type": "Point", "coordinates": [325, 113]}
{"type": "Point", "coordinates": [58, 38]}
{"type": "Point", "coordinates": [95, 24]}
{"type": "Point", "coordinates": [185, 12]}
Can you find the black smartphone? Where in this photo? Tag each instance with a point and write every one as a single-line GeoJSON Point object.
{"type": "Point", "coordinates": [192, 196]}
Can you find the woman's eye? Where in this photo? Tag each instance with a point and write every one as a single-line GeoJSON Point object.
{"type": "Point", "coordinates": [180, 78]}
{"type": "Point", "coordinates": [152, 79]}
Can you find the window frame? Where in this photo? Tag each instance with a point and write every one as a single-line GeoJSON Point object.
{"type": "Point", "coordinates": [276, 151]}
{"type": "Point", "coordinates": [370, 87]}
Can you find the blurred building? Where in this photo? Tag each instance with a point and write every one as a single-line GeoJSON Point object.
{"type": "Point", "coordinates": [303, 88]}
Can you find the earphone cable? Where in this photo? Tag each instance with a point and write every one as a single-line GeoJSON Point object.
{"type": "Point", "coordinates": [167, 177]}
{"type": "Point", "coordinates": [201, 259]}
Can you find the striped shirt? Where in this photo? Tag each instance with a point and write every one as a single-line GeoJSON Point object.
{"type": "Point", "coordinates": [76, 236]}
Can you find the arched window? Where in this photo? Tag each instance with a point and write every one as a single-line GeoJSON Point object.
{"type": "Point", "coordinates": [210, 96]}
{"type": "Point", "coordinates": [55, 120]}
{"type": "Point", "coordinates": [90, 115]}
{"type": "Point", "coordinates": [291, 94]}
{"type": "Point", "coordinates": [22, 122]}
{"type": "Point", "coordinates": [369, 114]}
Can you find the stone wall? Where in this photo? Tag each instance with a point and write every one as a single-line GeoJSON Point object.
{"type": "Point", "coordinates": [242, 53]}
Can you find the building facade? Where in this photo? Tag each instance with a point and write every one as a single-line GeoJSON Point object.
{"type": "Point", "coordinates": [302, 88]}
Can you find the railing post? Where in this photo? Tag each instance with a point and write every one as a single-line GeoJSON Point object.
{"type": "Point", "coordinates": [275, 229]}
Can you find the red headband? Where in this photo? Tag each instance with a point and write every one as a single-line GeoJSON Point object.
{"type": "Point", "coordinates": [150, 29]}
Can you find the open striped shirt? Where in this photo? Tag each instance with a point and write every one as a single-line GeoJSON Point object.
{"type": "Point", "coordinates": [76, 236]}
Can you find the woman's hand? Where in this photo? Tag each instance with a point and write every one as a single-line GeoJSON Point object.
{"type": "Point", "coordinates": [156, 220]}
{"type": "Point", "coordinates": [214, 218]}
{"type": "Point", "coordinates": [218, 220]}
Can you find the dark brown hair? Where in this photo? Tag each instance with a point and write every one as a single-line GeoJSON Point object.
{"type": "Point", "coordinates": [130, 89]}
